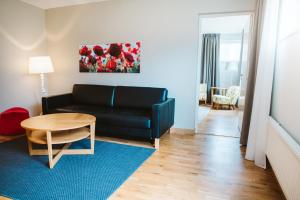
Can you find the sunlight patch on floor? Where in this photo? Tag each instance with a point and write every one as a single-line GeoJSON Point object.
{"type": "Point", "coordinates": [218, 122]}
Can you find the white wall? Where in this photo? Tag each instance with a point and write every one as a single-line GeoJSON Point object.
{"type": "Point", "coordinates": [286, 92]}
{"type": "Point", "coordinates": [168, 31]}
{"type": "Point", "coordinates": [22, 28]}
{"type": "Point", "coordinates": [225, 25]}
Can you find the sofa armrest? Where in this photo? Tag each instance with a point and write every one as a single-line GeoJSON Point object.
{"type": "Point", "coordinates": [162, 117]}
{"type": "Point", "coordinates": [52, 102]}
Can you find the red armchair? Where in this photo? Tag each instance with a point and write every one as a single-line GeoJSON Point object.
{"type": "Point", "coordinates": [10, 121]}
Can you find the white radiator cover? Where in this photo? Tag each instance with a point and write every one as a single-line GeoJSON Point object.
{"type": "Point", "coordinates": [283, 153]}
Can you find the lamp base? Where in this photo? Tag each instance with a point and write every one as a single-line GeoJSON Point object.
{"type": "Point", "coordinates": [44, 92]}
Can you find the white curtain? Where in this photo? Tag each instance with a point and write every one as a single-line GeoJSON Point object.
{"type": "Point", "coordinates": [264, 80]}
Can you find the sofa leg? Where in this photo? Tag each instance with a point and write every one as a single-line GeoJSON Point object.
{"type": "Point", "coordinates": [169, 131]}
{"type": "Point", "coordinates": [156, 143]}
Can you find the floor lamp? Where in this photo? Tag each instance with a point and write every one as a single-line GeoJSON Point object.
{"type": "Point", "coordinates": [41, 65]}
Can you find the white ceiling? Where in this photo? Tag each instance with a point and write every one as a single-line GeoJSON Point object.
{"type": "Point", "coordinates": [46, 4]}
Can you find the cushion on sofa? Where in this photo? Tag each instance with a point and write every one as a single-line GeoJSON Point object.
{"type": "Point", "coordinates": [129, 117]}
{"type": "Point", "coordinates": [135, 118]}
{"type": "Point", "coordinates": [89, 109]}
{"type": "Point", "coordinates": [100, 95]}
{"type": "Point", "coordinates": [139, 97]}
{"type": "Point", "coordinates": [123, 132]}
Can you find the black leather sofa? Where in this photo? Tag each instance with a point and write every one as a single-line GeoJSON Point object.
{"type": "Point", "coordinates": [128, 112]}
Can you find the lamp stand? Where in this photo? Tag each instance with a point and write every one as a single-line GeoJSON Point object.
{"type": "Point", "coordinates": [43, 89]}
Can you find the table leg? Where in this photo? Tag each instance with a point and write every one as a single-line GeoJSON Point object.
{"type": "Point", "coordinates": [92, 137]}
{"type": "Point", "coordinates": [50, 153]}
{"type": "Point", "coordinates": [55, 154]}
{"type": "Point", "coordinates": [28, 132]}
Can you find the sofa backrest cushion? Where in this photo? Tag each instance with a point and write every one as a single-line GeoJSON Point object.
{"type": "Point", "coordinates": [139, 97]}
{"type": "Point", "coordinates": [101, 95]}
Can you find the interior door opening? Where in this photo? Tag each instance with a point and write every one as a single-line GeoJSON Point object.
{"type": "Point", "coordinates": [224, 42]}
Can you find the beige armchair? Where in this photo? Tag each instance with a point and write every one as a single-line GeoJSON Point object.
{"type": "Point", "coordinates": [203, 92]}
{"type": "Point", "coordinates": [228, 97]}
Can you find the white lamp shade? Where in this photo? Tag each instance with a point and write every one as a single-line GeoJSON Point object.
{"type": "Point", "coordinates": [40, 65]}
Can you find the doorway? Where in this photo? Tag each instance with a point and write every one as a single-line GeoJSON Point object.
{"type": "Point", "coordinates": [224, 42]}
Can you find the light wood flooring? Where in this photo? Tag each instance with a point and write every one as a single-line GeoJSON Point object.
{"type": "Point", "coordinates": [219, 122]}
{"type": "Point", "coordinates": [198, 167]}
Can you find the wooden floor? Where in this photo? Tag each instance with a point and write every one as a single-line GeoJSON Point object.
{"type": "Point", "coordinates": [199, 167]}
{"type": "Point", "coordinates": [219, 122]}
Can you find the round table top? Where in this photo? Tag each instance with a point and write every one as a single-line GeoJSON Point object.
{"type": "Point", "coordinates": [58, 122]}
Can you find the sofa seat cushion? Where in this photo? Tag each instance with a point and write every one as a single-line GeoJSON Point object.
{"type": "Point", "coordinates": [131, 118]}
{"type": "Point", "coordinates": [88, 109]}
{"type": "Point", "coordinates": [124, 132]}
{"type": "Point", "coordinates": [134, 118]}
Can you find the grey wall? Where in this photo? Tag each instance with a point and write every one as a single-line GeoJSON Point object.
{"type": "Point", "coordinates": [22, 35]}
{"type": "Point", "coordinates": [167, 29]}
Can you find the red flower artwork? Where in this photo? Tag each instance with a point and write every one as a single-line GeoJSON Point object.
{"type": "Point", "coordinates": [129, 57]}
{"type": "Point", "coordinates": [98, 50]}
{"type": "Point", "coordinates": [85, 51]}
{"type": "Point", "coordinates": [115, 50]}
{"type": "Point", "coordinates": [111, 64]}
{"type": "Point", "coordinates": [91, 60]}
{"type": "Point", "coordinates": [135, 51]}
{"type": "Point", "coordinates": [112, 58]}
{"type": "Point", "coordinates": [138, 44]}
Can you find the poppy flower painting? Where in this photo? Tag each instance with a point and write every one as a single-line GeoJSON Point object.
{"type": "Point", "coordinates": [110, 58]}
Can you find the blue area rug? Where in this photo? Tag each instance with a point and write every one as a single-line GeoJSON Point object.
{"type": "Point", "coordinates": [74, 177]}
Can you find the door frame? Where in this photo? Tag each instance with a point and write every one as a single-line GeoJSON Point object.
{"type": "Point", "coordinates": [200, 39]}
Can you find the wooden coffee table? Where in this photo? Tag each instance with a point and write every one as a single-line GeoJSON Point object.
{"type": "Point", "coordinates": [62, 128]}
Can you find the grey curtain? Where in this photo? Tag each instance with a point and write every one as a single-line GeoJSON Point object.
{"type": "Point", "coordinates": [252, 71]}
{"type": "Point", "coordinates": [210, 61]}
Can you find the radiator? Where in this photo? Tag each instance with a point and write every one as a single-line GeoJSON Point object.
{"type": "Point", "coordinates": [283, 153]}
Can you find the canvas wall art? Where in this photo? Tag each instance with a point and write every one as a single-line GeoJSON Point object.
{"type": "Point", "coordinates": [110, 58]}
